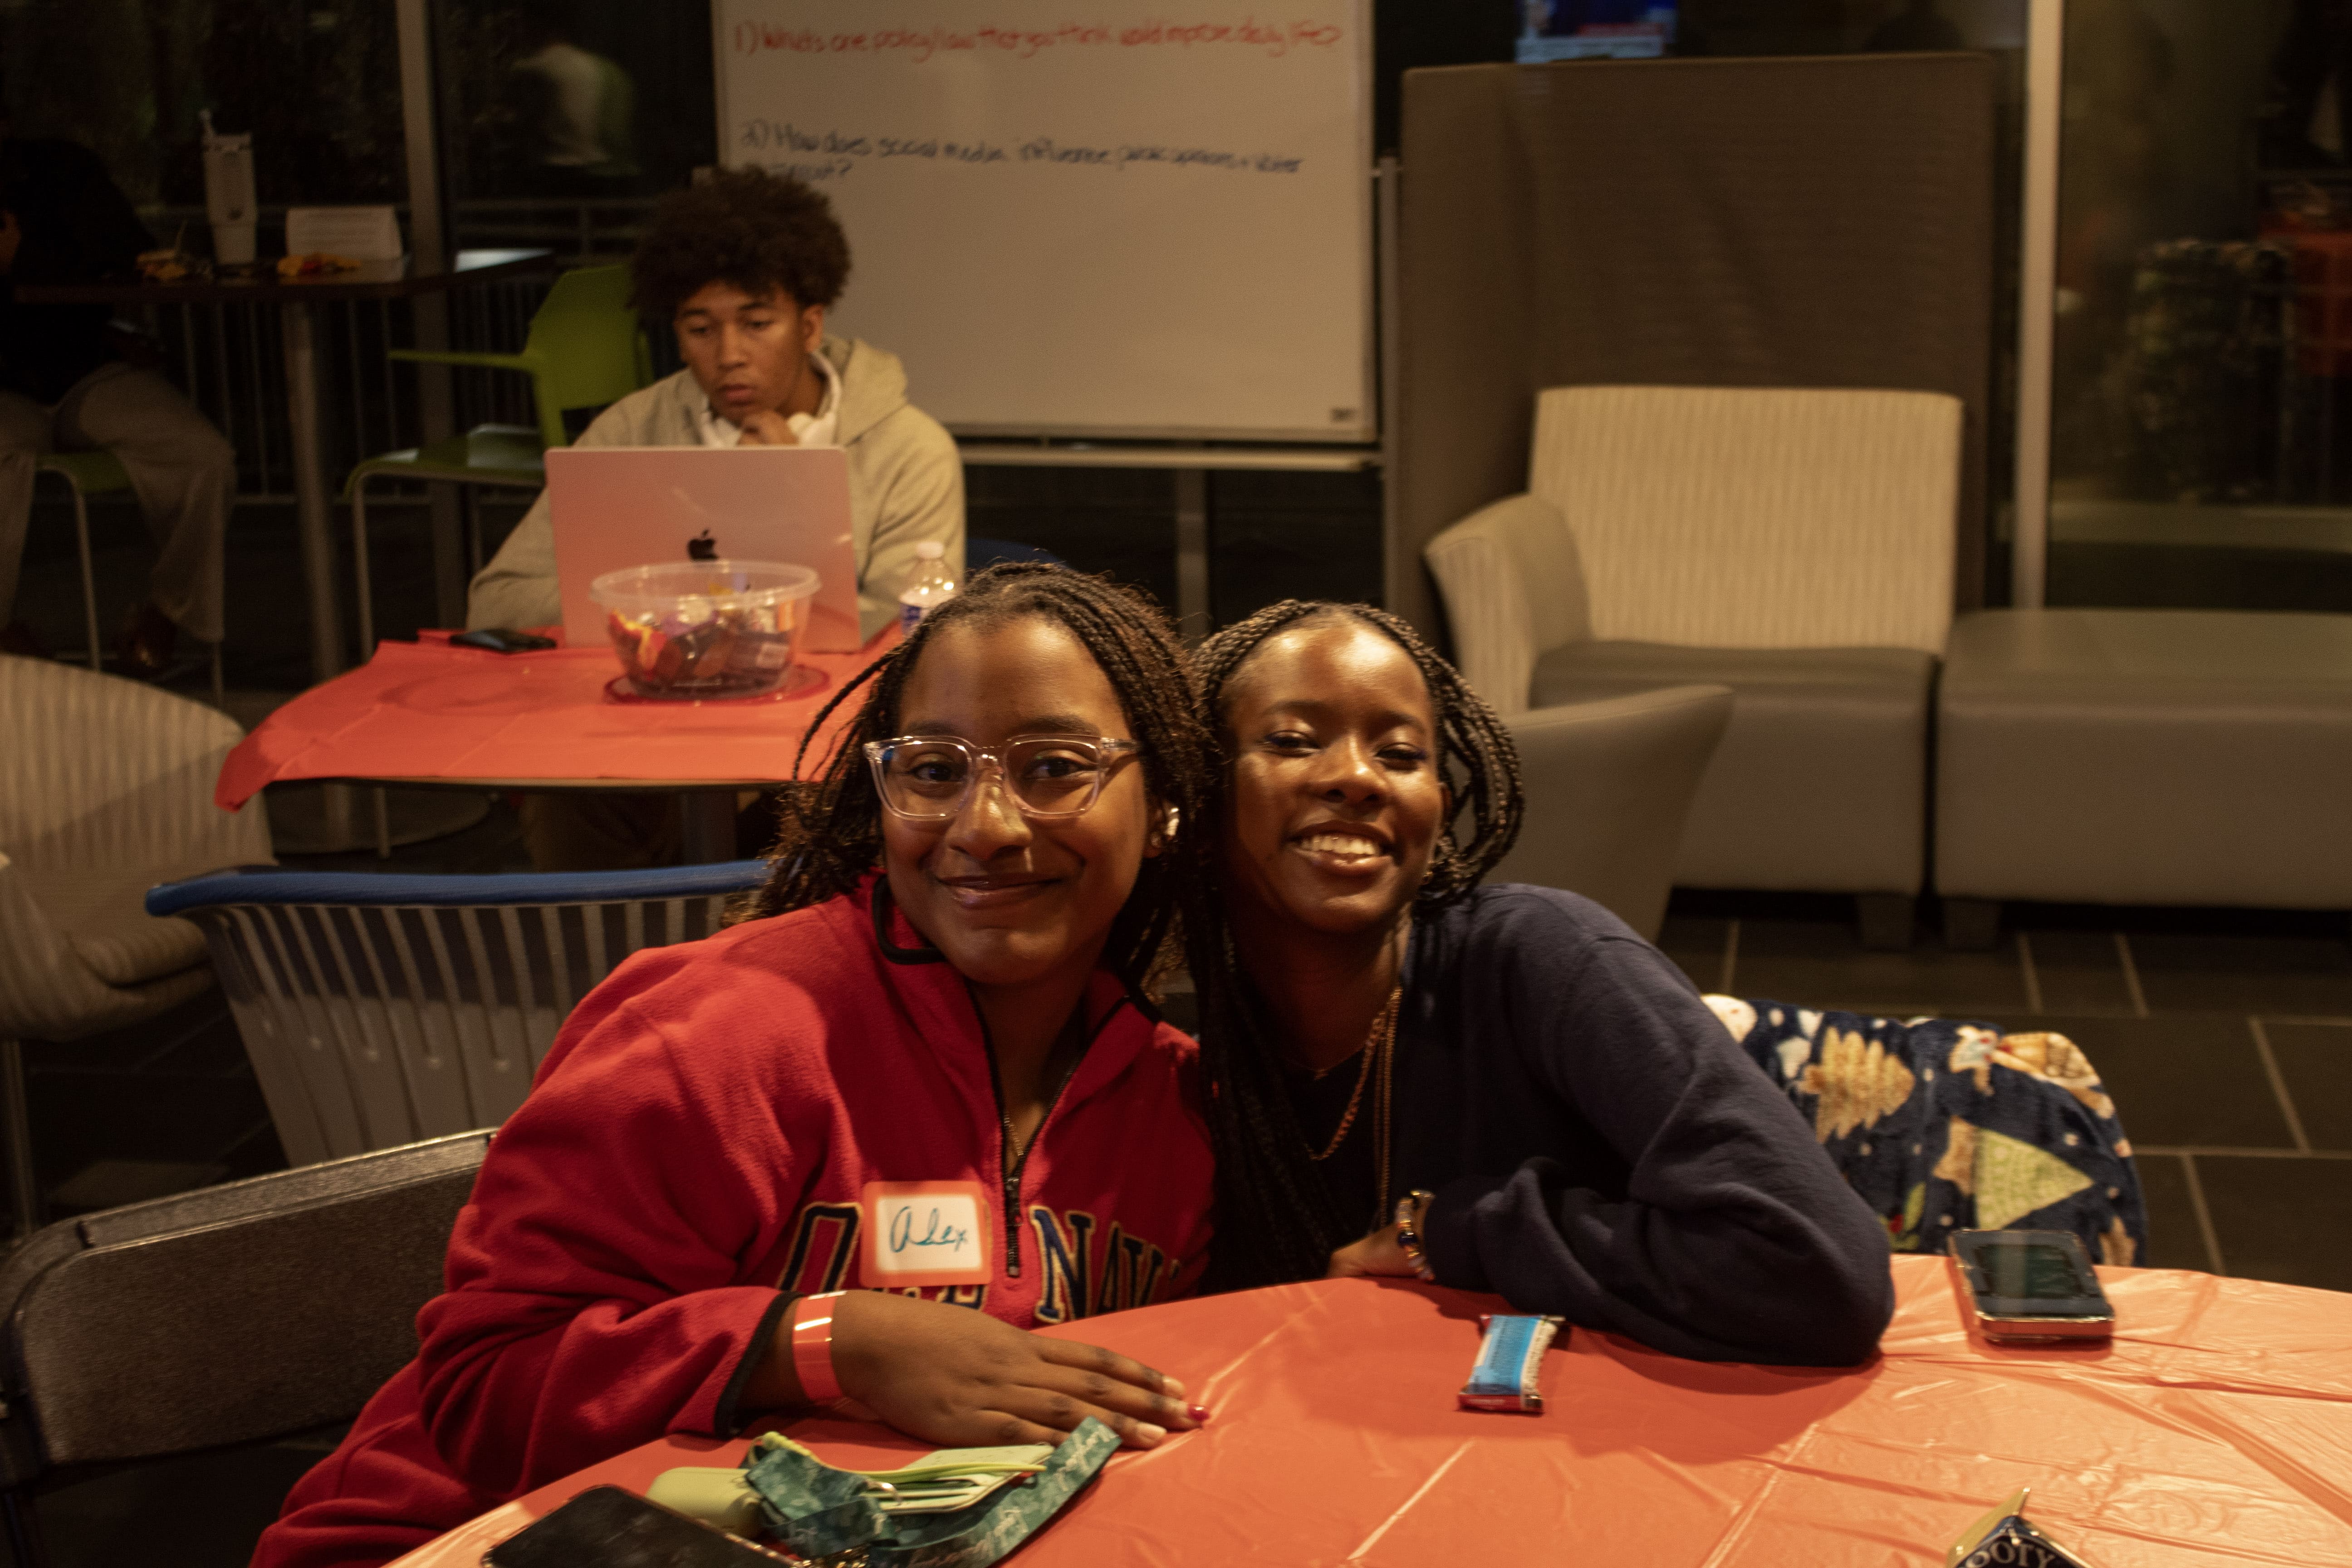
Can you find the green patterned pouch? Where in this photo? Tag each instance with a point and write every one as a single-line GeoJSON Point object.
{"type": "Point", "coordinates": [915, 1517]}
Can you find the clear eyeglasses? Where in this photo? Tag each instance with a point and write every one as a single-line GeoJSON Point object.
{"type": "Point", "coordinates": [928, 778]}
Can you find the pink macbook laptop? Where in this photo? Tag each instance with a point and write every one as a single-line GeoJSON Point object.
{"type": "Point", "coordinates": [613, 507]}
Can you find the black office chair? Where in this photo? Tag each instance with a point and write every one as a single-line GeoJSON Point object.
{"type": "Point", "coordinates": [226, 1315]}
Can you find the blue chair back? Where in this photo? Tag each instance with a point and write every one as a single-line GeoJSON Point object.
{"type": "Point", "coordinates": [381, 1009]}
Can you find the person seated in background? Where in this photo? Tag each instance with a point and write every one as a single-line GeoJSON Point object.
{"type": "Point", "coordinates": [1506, 1087]}
{"type": "Point", "coordinates": [743, 265]}
{"type": "Point", "coordinates": [580, 106]}
{"type": "Point", "coordinates": [63, 388]}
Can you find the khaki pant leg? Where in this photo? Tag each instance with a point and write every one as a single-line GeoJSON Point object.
{"type": "Point", "coordinates": [185, 472]}
{"type": "Point", "coordinates": [24, 435]}
{"type": "Point", "coordinates": [598, 830]}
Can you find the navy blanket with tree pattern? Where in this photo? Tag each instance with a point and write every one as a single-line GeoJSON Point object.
{"type": "Point", "coordinates": [1945, 1126]}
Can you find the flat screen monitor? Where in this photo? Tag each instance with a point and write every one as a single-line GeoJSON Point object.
{"type": "Point", "coordinates": [1594, 29]}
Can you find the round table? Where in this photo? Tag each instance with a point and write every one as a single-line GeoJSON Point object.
{"type": "Point", "coordinates": [2217, 1428]}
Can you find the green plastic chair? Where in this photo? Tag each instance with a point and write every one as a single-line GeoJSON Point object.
{"type": "Point", "coordinates": [85, 474]}
{"type": "Point", "coordinates": [88, 474]}
{"type": "Point", "coordinates": [583, 350]}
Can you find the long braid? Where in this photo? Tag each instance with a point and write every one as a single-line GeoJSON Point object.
{"type": "Point", "coordinates": [831, 832]}
{"type": "Point", "coordinates": [1275, 1220]}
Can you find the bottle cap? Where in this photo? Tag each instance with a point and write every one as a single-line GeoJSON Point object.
{"type": "Point", "coordinates": [929, 550]}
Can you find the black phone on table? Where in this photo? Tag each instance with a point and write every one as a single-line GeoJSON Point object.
{"type": "Point", "coordinates": [2031, 1285]}
{"type": "Point", "coordinates": [502, 639]}
{"type": "Point", "coordinates": [608, 1527]}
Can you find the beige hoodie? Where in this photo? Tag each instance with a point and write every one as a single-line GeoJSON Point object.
{"type": "Point", "coordinates": [905, 485]}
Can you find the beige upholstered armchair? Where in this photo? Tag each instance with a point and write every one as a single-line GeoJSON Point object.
{"type": "Point", "coordinates": [1793, 545]}
{"type": "Point", "coordinates": [106, 788]}
{"type": "Point", "coordinates": [1607, 789]}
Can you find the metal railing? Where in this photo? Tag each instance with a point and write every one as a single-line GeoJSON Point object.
{"type": "Point", "coordinates": [229, 358]}
{"type": "Point", "coordinates": [580, 232]}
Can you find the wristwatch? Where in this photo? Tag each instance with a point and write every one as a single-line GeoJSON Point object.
{"type": "Point", "coordinates": [1412, 1213]}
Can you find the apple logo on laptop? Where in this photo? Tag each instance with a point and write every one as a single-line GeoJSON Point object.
{"type": "Point", "coordinates": [702, 547]}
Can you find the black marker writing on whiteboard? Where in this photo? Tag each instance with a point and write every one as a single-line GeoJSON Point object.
{"type": "Point", "coordinates": [1044, 150]}
{"type": "Point", "coordinates": [783, 134]}
{"type": "Point", "coordinates": [833, 154]}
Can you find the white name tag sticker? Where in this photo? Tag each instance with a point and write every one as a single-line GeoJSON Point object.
{"type": "Point", "coordinates": [925, 1232]}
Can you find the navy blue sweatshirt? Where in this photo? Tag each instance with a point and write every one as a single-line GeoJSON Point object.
{"type": "Point", "coordinates": [1601, 1147]}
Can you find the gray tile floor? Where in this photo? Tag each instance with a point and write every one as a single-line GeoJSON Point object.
{"type": "Point", "coordinates": [2224, 1035]}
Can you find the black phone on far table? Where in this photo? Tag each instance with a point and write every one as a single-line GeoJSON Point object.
{"type": "Point", "coordinates": [501, 639]}
{"type": "Point", "coordinates": [607, 1527]}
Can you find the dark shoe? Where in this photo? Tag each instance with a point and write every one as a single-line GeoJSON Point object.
{"type": "Point", "coordinates": [142, 649]}
{"type": "Point", "coordinates": [17, 638]}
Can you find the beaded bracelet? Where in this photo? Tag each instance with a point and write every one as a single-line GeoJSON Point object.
{"type": "Point", "coordinates": [813, 1347]}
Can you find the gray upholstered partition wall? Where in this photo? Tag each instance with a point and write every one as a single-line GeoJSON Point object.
{"type": "Point", "coordinates": [1779, 222]}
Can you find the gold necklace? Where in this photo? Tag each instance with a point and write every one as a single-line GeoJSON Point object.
{"type": "Point", "coordinates": [1378, 1046]}
{"type": "Point", "coordinates": [1380, 1102]}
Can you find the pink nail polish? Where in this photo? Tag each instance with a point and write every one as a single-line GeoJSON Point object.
{"type": "Point", "coordinates": [1199, 1413]}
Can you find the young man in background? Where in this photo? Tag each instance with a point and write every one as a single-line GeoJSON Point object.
{"type": "Point", "coordinates": [743, 267]}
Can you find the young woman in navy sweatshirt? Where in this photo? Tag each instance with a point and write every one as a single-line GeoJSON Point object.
{"type": "Point", "coordinates": [1507, 1078]}
{"type": "Point", "coordinates": [941, 984]}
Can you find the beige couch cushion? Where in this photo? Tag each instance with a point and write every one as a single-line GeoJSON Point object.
{"type": "Point", "coordinates": [2147, 757]}
{"type": "Point", "coordinates": [1609, 787]}
{"type": "Point", "coordinates": [101, 913]}
{"type": "Point", "coordinates": [1867, 678]}
{"type": "Point", "coordinates": [1513, 588]}
{"type": "Point", "coordinates": [1756, 517]}
{"type": "Point", "coordinates": [1820, 781]}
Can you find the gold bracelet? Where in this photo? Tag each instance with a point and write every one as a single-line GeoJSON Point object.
{"type": "Point", "coordinates": [1411, 1212]}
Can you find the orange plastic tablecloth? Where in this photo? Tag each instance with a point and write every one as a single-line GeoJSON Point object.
{"type": "Point", "coordinates": [425, 710]}
{"type": "Point", "coordinates": [2216, 1429]}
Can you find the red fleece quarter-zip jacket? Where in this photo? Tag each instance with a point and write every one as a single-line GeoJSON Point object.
{"type": "Point", "coordinates": [696, 1141]}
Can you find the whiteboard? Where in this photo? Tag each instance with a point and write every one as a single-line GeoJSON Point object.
{"type": "Point", "coordinates": [1114, 219]}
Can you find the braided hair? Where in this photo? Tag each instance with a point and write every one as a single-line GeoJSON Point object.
{"type": "Point", "coordinates": [831, 829]}
{"type": "Point", "coordinates": [1274, 1221]}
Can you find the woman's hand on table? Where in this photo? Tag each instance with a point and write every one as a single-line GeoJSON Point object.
{"type": "Point", "coordinates": [959, 1378]}
{"type": "Point", "coordinates": [1381, 1253]}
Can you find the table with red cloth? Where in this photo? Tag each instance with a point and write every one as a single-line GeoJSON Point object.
{"type": "Point", "coordinates": [430, 712]}
{"type": "Point", "coordinates": [2215, 1428]}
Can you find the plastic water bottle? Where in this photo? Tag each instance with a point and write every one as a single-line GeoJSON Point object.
{"type": "Point", "coordinates": [933, 586]}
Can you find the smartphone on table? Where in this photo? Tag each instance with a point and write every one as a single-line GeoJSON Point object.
{"type": "Point", "coordinates": [607, 1527]}
{"type": "Point", "coordinates": [2030, 1285]}
{"type": "Point", "coordinates": [502, 639]}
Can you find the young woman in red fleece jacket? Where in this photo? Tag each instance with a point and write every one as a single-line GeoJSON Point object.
{"type": "Point", "coordinates": [941, 983]}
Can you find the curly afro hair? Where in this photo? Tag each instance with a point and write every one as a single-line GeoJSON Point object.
{"type": "Point", "coordinates": [745, 227]}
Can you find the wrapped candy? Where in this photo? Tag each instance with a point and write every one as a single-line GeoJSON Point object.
{"type": "Point", "coordinates": [2004, 1539]}
{"type": "Point", "coordinates": [702, 650]}
{"type": "Point", "coordinates": [1510, 1351]}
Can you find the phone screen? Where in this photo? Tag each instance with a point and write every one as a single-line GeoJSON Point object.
{"type": "Point", "coordinates": [605, 1527]}
{"type": "Point", "coordinates": [2028, 1274]}
{"type": "Point", "coordinates": [2035, 1269]}
{"type": "Point", "coordinates": [499, 639]}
